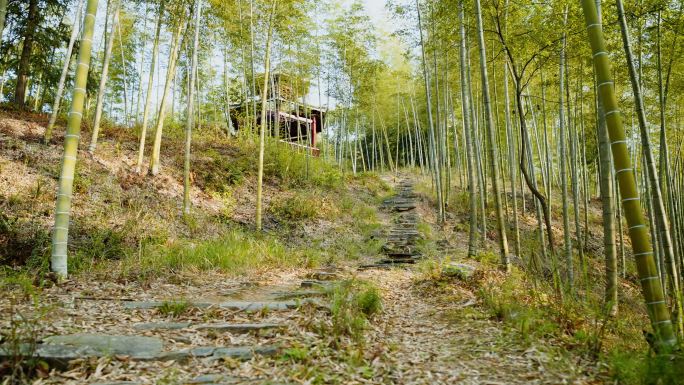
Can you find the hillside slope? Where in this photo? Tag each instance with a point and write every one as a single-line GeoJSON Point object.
{"type": "Point", "coordinates": [208, 281]}
{"type": "Point", "coordinates": [119, 213]}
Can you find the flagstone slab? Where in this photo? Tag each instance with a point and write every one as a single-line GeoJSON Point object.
{"type": "Point", "coordinates": [136, 347]}
{"type": "Point", "coordinates": [238, 328]}
{"type": "Point", "coordinates": [143, 305]}
{"type": "Point", "coordinates": [162, 326]}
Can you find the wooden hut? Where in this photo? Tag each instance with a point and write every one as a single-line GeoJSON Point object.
{"type": "Point", "coordinates": [294, 122]}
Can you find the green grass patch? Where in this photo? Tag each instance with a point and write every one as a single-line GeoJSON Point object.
{"type": "Point", "coordinates": [217, 172]}
{"type": "Point", "coordinates": [22, 241]}
{"type": "Point", "coordinates": [174, 308]}
{"type": "Point", "coordinates": [236, 253]}
{"type": "Point", "coordinates": [631, 368]}
{"type": "Point", "coordinates": [353, 304]}
{"type": "Point", "coordinates": [297, 168]}
{"type": "Point", "coordinates": [21, 335]}
{"type": "Point", "coordinates": [297, 207]}
{"type": "Point", "coordinates": [296, 354]}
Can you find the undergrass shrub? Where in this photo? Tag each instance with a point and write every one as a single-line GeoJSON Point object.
{"type": "Point", "coordinates": [377, 187]}
{"type": "Point", "coordinates": [635, 368]}
{"type": "Point", "coordinates": [216, 172]}
{"type": "Point", "coordinates": [174, 308]}
{"type": "Point", "coordinates": [296, 168]}
{"type": "Point", "coordinates": [22, 241]}
{"type": "Point", "coordinates": [459, 202]}
{"type": "Point", "coordinates": [353, 304]}
{"type": "Point", "coordinates": [300, 206]}
{"type": "Point", "coordinates": [174, 129]}
{"type": "Point", "coordinates": [511, 300]}
{"type": "Point", "coordinates": [92, 244]}
{"type": "Point", "coordinates": [21, 336]}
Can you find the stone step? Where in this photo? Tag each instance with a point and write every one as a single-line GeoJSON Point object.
{"type": "Point", "coordinates": [232, 305]}
{"type": "Point", "coordinates": [162, 326]}
{"type": "Point", "coordinates": [288, 295]}
{"type": "Point", "coordinates": [143, 305]}
{"type": "Point", "coordinates": [403, 239]}
{"type": "Point", "coordinates": [398, 247]}
{"type": "Point", "coordinates": [214, 353]}
{"type": "Point", "coordinates": [404, 234]}
{"type": "Point", "coordinates": [323, 275]}
{"type": "Point", "coordinates": [238, 328]}
{"type": "Point", "coordinates": [313, 283]}
{"type": "Point", "coordinates": [399, 261]}
{"type": "Point", "coordinates": [404, 231]}
{"type": "Point", "coordinates": [57, 351]}
{"type": "Point", "coordinates": [266, 305]}
{"type": "Point", "coordinates": [408, 241]}
{"type": "Point", "coordinates": [214, 379]}
{"type": "Point", "coordinates": [218, 327]}
{"type": "Point", "coordinates": [401, 254]}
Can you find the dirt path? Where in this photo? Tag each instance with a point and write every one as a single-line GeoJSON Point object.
{"type": "Point", "coordinates": [437, 333]}
{"type": "Point", "coordinates": [275, 330]}
{"type": "Point", "coordinates": [433, 342]}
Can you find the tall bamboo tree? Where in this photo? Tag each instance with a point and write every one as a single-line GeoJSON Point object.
{"type": "Point", "coordinates": [262, 129]}
{"type": "Point", "coordinates": [170, 75]}
{"type": "Point", "coordinates": [60, 235]}
{"type": "Point", "coordinates": [638, 232]}
{"type": "Point", "coordinates": [103, 78]}
{"type": "Point", "coordinates": [191, 115]}
{"type": "Point", "coordinates": [492, 150]}
{"type": "Point", "coordinates": [434, 162]}
{"type": "Point", "coordinates": [661, 217]}
{"type": "Point", "coordinates": [62, 77]}
{"type": "Point", "coordinates": [150, 84]}
{"type": "Point", "coordinates": [563, 163]}
{"type": "Point", "coordinates": [465, 103]}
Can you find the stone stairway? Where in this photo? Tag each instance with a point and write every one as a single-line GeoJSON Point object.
{"type": "Point", "coordinates": [401, 246]}
{"type": "Point", "coordinates": [239, 326]}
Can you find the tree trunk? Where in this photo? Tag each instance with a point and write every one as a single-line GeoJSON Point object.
{"type": "Point", "coordinates": [492, 150]}
{"type": "Point", "coordinates": [170, 74]}
{"type": "Point", "coordinates": [512, 170]}
{"type": "Point", "coordinates": [150, 84]}
{"type": "Point", "coordinates": [191, 117]}
{"type": "Point", "coordinates": [103, 79]}
{"type": "Point", "coordinates": [431, 127]}
{"type": "Point", "coordinates": [26, 52]}
{"type": "Point", "coordinates": [65, 71]}
{"type": "Point", "coordinates": [262, 129]}
{"type": "Point", "coordinates": [465, 104]}
{"type": "Point", "coordinates": [567, 245]}
{"type": "Point", "coordinates": [660, 214]}
{"type": "Point", "coordinates": [641, 243]}
{"type": "Point", "coordinates": [60, 235]}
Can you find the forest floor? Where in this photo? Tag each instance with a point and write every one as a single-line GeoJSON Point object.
{"type": "Point", "coordinates": [287, 323]}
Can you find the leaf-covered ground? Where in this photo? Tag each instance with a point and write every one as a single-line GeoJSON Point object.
{"type": "Point", "coordinates": [431, 330]}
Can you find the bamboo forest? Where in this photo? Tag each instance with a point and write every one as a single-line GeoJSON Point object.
{"type": "Point", "coordinates": [281, 192]}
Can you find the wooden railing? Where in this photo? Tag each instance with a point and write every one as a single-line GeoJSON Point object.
{"type": "Point", "coordinates": [314, 151]}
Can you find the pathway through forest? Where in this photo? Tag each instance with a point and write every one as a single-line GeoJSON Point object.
{"type": "Point", "coordinates": [434, 330]}
{"type": "Point", "coordinates": [210, 330]}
